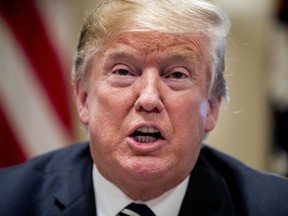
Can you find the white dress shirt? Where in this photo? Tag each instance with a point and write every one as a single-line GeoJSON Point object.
{"type": "Point", "coordinates": [110, 200]}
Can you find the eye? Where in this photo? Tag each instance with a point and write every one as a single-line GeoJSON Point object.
{"type": "Point", "coordinates": [178, 75]}
{"type": "Point", "coordinates": [178, 78]}
{"type": "Point", "coordinates": [122, 72]}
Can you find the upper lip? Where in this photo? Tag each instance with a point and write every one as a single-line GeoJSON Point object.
{"type": "Point", "coordinates": [148, 130]}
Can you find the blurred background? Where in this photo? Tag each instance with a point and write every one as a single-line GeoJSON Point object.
{"type": "Point", "coordinates": [37, 43]}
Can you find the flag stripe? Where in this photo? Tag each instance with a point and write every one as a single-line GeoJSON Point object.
{"type": "Point", "coordinates": [24, 101]}
{"type": "Point", "coordinates": [11, 152]}
{"type": "Point", "coordinates": [25, 23]}
{"type": "Point", "coordinates": [35, 110]}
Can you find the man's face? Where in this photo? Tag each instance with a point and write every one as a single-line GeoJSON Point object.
{"type": "Point", "coordinates": [146, 108]}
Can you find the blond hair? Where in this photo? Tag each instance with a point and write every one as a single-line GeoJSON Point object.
{"type": "Point", "coordinates": [182, 17]}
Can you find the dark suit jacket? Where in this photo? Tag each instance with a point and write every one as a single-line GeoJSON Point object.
{"type": "Point", "coordinates": [60, 184]}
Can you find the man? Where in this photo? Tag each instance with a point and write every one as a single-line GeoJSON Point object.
{"type": "Point", "coordinates": [148, 81]}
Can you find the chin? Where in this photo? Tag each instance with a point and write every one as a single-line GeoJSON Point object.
{"type": "Point", "coordinates": [146, 168]}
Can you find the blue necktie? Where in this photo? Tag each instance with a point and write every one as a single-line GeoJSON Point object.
{"type": "Point", "coordinates": [135, 209]}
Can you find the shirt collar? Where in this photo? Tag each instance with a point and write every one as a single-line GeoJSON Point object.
{"type": "Point", "coordinates": [110, 199]}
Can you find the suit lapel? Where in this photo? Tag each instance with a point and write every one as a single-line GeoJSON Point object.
{"type": "Point", "coordinates": [75, 195]}
{"type": "Point", "coordinates": [207, 193]}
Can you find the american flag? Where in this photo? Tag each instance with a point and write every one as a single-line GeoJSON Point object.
{"type": "Point", "coordinates": [35, 105]}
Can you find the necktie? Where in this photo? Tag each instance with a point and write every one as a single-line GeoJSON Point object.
{"type": "Point", "coordinates": [134, 209]}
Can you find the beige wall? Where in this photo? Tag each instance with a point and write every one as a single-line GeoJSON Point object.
{"type": "Point", "coordinates": [243, 130]}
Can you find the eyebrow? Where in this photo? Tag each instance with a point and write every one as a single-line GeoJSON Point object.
{"type": "Point", "coordinates": [119, 53]}
{"type": "Point", "coordinates": [184, 54]}
{"type": "Point", "coordinates": [176, 54]}
{"type": "Point", "coordinates": [171, 54]}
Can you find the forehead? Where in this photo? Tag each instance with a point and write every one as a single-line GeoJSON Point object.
{"type": "Point", "coordinates": [155, 43]}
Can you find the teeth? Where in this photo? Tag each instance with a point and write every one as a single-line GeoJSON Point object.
{"type": "Point", "coordinates": [145, 139]}
{"type": "Point", "coordinates": [147, 134]}
{"type": "Point", "coordinates": [148, 130]}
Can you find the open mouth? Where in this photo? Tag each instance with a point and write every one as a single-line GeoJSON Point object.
{"type": "Point", "coordinates": [146, 135]}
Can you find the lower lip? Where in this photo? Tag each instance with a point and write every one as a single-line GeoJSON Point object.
{"type": "Point", "coordinates": [145, 147]}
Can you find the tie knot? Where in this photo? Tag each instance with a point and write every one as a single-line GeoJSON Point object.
{"type": "Point", "coordinates": [135, 209]}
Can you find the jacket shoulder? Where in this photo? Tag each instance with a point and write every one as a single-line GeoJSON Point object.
{"type": "Point", "coordinates": [53, 162]}
{"type": "Point", "coordinates": [255, 192]}
{"type": "Point", "coordinates": [33, 183]}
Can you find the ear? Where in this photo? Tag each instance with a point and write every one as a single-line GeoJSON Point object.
{"type": "Point", "coordinates": [81, 94]}
{"type": "Point", "coordinates": [213, 113]}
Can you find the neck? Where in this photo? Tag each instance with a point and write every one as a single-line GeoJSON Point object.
{"type": "Point", "coordinates": [147, 190]}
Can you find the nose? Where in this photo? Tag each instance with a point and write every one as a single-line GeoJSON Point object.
{"type": "Point", "coordinates": [149, 98]}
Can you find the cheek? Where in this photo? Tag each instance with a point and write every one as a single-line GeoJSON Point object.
{"type": "Point", "coordinates": [188, 119]}
{"type": "Point", "coordinates": [101, 122]}
{"type": "Point", "coordinates": [190, 114]}
{"type": "Point", "coordinates": [107, 111]}
{"type": "Point", "coordinates": [104, 105]}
